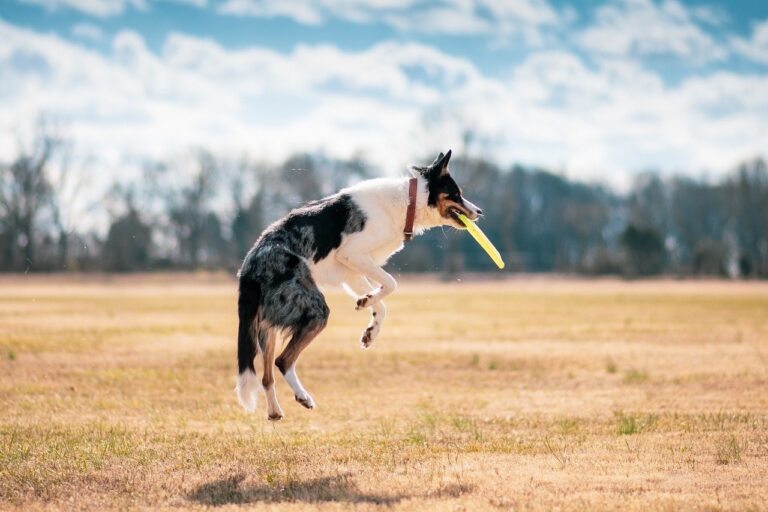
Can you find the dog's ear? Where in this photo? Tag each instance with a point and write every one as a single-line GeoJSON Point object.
{"type": "Point", "coordinates": [418, 170]}
{"type": "Point", "coordinates": [442, 162]}
{"type": "Point", "coordinates": [434, 170]}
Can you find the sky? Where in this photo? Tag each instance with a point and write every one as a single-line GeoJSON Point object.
{"type": "Point", "coordinates": [592, 90]}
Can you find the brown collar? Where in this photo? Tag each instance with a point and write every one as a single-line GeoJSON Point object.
{"type": "Point", "coordinates": [411, 213]}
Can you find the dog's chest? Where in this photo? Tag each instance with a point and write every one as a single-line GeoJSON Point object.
{"type": "Point", "coordinates": [383, 254]}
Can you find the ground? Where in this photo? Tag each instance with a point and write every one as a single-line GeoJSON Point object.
{"type": "Point", "coordinates": [533, 394]}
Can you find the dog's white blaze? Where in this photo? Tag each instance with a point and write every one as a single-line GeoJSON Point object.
{"type": "Point", "coordinates": [248, 390]}
{"type": "Point", "coordinates": [473, 209]}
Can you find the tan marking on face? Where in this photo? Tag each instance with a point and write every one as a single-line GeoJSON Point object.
{"type": "Point", "coordinates": [445, 205]}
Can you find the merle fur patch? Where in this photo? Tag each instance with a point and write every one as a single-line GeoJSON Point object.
{"type": "Point", "coordinates": [288, 297]}
{"type": "Point", "coordinates": [314, 230]}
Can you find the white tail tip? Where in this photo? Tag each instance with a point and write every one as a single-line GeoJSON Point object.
{"type": "Point", "coordinates": [247, 390]}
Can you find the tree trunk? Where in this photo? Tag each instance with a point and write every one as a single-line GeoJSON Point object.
{"type": "Point", "coordinates": [9, 252]}
{"type": "Point", "coordinates": [29, 249]}
{"type": "Point", "coordinates": [63, 250]}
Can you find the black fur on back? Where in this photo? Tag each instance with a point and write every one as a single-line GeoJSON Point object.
{"type": "Point", "coordinates": [315, 229]}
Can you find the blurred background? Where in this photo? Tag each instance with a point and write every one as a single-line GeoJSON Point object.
{"type": "Point", "coordinates": [625, 137]}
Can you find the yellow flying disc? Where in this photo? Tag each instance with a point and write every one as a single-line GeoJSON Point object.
{"type": "Point", "coordinates": [481, 239]}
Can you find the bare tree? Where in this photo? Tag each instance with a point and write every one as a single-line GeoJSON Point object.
{"type": "Point", "coordinates": [129, 240]}
{"type": "Point", "coordinates": [25, 191]}
{"type": "Point", "coordinates": [645, 251]}
{"type": "Point", "coordinates": [187, 205]}
{"type": "Point", "coordinates": [246, 186]}
{"type": "Point", "coordinates": [747, 193]}
{"type": "Point", "coordinates": [69, 207]}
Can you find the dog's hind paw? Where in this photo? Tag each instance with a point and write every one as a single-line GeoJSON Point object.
{"type": "Point", "coordinates": [305, 401]}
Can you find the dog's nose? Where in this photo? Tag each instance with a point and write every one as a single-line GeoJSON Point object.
{"type": "Point", "coordinates": [479, 211]}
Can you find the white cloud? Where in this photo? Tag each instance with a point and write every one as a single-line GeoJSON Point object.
{"type": "Point", "coordinates": [88, 31]}
{"type": "Point", "coordinates": [391, 102]}
{"type": "Point", "coordinates": [709, 14]}
{"type": "Point", "coordinates": [104, 8]}
{"type": "Point", "coordinates": [643, 27]}
{"type": "Point", "coordinates": [197, 93]}
{"type": "Point", "coordinates": [193, 3]}
{"type": "Point", "coordinates": [298, 10]}
{"type": "Point", "coordinates": [755, 48]}
{"type": "Point", "coordinates": [491, 18]}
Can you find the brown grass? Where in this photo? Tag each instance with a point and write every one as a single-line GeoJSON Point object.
{"type": "Point", "coordinates": [522, 394]}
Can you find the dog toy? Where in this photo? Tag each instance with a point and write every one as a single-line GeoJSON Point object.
{"type": "Point", "coordinates": [481, 239]}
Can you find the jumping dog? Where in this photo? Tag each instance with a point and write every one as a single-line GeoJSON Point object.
{"type": "Point", "coordinates": [343, 239]}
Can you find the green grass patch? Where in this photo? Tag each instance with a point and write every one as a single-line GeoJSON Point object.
{"type": "Point", "coordinates": [633, 376]}
{"type": "Point", "coordinates": [728, 450]}
{"type": "Point", "coordinates": [630, 424]}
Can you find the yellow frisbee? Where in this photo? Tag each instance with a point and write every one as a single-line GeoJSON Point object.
{"type": "Point", "coordinates": [481, 239]}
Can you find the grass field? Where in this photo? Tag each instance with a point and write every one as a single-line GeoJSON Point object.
{"type": "Point", "coordinates": [526, 394]}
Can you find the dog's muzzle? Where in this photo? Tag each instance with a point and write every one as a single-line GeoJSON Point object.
{"type": "Point", "coordinates": [472, 210]}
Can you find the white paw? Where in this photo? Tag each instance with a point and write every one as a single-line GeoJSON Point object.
{"type": "Point", "coordinates": [305, 400]}
{"type": "Point", "coordinates": [369, 299]}
{"type": "Point", "coordinates": [275, 414]}
{"type": "Point", "coordinates": [369, 334]}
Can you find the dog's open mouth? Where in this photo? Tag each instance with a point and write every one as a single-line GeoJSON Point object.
{"type": "Point", "coordinates": [454, 213]}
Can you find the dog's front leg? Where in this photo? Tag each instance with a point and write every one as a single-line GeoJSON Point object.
{"type": "Point", "coordinates": [358, 286]}
{"type": "Point", "coordinates": [364, 264]}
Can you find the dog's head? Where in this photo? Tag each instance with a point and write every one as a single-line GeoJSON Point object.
{"type": "Point", "coordinates": [444, 193]}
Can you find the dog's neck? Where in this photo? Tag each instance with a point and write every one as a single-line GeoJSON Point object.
{"type": "Point", "coordinates": [426, 216]}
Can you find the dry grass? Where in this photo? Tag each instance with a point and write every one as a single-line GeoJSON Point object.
{"type": "Point", "coordinates": [525, 394]}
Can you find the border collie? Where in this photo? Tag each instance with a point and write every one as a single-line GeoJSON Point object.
{"type": "Point", "coordinates": [342, 239]}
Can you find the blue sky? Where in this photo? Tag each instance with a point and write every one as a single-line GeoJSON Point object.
{"type": "Point", "coordinates": [596, 90]}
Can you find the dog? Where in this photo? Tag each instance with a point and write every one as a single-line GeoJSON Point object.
{"type": "Point", "coordinates": [343, 239]}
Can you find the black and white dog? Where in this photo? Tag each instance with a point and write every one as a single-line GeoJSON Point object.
{"type": "Point", "coordinates": [342, 239]}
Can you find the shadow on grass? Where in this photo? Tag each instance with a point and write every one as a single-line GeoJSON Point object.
{"type": "Point", "coordinates": [339, 488]}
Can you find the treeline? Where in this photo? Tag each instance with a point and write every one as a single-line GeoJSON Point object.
{"type": "Point", "coordinates": [543, 222]}
{"type": "Point", "coordinates": [204, 212]}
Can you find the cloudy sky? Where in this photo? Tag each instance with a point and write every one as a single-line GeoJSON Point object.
{"type": "Point", "coordinates": [593, 90]}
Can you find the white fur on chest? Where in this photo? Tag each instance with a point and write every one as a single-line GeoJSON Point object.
{"type": "Point", "coordinates": [384, 202]}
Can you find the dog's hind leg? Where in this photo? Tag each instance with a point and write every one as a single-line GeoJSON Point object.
{"type": "Point", "coordinates": [313, 321]}
{"type": "Point", "coordinates": [267, 346]}
{"type": "Point", "coordinates": [357, 285]}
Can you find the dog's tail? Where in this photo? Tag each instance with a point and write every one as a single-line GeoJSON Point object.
{"type": "Point", "coordinates": [248, 304]}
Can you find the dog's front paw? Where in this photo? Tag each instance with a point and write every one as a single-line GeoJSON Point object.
{"type": "Point", "coordinates": [365, 300]}
{"type": "Point", "coordinates": [368, 336]}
